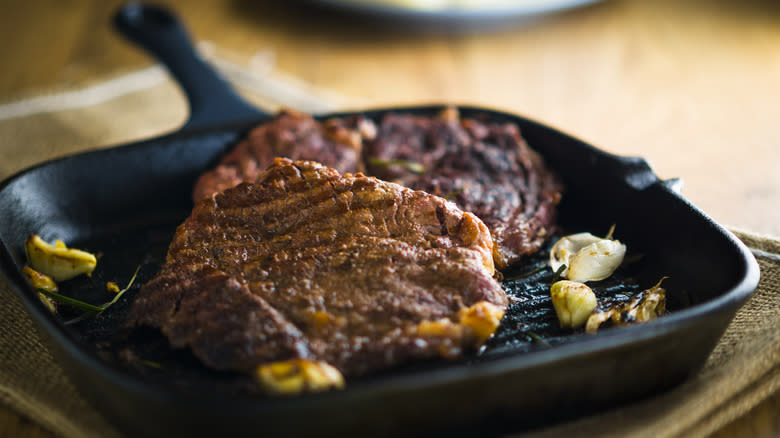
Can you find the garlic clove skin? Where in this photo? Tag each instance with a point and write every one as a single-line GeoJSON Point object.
{"type": "Point", "coordinates": [574, 302]}
{"type": "Point", "coordinates": [596, 261]}
{"type": "Point", "coordinates": [586, 257]}
{"type": "Point", "coordinates": [645, 306]}
{"type": "Point", "coordinates": [565, 248]}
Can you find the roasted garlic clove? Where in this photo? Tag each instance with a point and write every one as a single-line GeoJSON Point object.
{"type": "Point", "coordinates": [58, 261]}
{"type": "Point", "coordinates": [483, 318]}
{"type": "Point", "coordinates": [573, 302]}
{"type": "Point", "coordinates": [645, 306]}
{"type": "Point", "coordinates": [478, 322]}
{"type": "Point", "coordinates": [586, 257]}
{"type": "Point", "coordinates": [38, 280]}
{"type": "Point", "coordinates": [596, 319]}
{"type": "Point", "coordinates": [565, 248]}
{"type": "Point", "coordinates": [596, 261]}
{"type": "Point", "coordinates": [48, 302]}
{"type": "Point", "coordinates": [42, 282]}
{"type": "Point", "coordinates": [295, 376]}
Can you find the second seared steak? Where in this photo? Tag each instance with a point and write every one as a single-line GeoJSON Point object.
{"type": "Point", "coordinates": [308, 264]}
{"type": "Point", "coordinates": [334, 142]}
{"type": "Point", "coordinates": [484, 167]}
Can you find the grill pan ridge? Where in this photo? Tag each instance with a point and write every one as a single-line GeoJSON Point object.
{"type": "Point", "coordinates": [105, 196]}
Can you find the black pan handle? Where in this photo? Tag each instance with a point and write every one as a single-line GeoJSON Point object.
{"type": "Point", "coordinates": [212, 100]}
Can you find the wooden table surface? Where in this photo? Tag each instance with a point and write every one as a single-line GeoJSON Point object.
{"type": "Point", "coordinates": [692, 86]}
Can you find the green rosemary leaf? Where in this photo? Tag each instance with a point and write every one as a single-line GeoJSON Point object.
{"type": "Point", "coordinates": [72, 301]}
{"type": "Point", "coordinates": [527, 274]}
{"type": "Point", "coordinates": [150, 364]}
{"type": "Point", "coordinates": [121, 292]}
{"type": "Point", "coordinates": [537, 338]}
{"type": "Point", "coordinates": [557, 274]}
{"type": "Point", "coordinates": [91, 309]}
{"type": "Point", "coordinates": [411, 166]}
{"type": "Point", "coordinates": [79, 318]}
{"type": "Point", "coordinates": [454, 193]}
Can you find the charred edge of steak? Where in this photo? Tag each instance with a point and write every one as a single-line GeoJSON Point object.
{"type": "Point", "coordinates": [195, 305]}
{"type": "Point", "coordinates": [485, 168]}
{"type": "Point", "coordinates": [305, 263]}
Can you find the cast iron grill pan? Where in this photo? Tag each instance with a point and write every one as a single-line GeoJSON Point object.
{"type": "Point", "coordinates": [125, 202]}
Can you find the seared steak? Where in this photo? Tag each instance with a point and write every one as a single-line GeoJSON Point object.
{"type": "Point", "coordinates": [305, 263]}
{"type": "Point", "coordinates": [335, 143]}
{"type": "Point", "coordinates": [485, 168]}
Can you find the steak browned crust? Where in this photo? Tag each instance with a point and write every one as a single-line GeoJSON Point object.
{"type": "Point", "coordinates": [485, 168]}
{"type": "Point", "coordinates": [306, 263]}
{"type": "Point", "coordinates": [334, 142]}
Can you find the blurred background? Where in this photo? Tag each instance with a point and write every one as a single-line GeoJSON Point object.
{"type": "Point", "coordinates": [690, 85]}
{"type": "Point", "coordinates": [693, 86]}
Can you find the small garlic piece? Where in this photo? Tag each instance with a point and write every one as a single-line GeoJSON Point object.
{"type": "Point", "coordinates": [483, 318]}
{"type": "Point", "coordinates": [58, 261]}
{"type": "Point", "coordinates": [644, 306]}
{"type": "Point", "coordinates": [573, 302]}
{"type": "Point", "coordinates": [294, 376]}
{"type": "Point", "coordinates": [587, 257]}
{"type": "Point", "coordinates": [42, 282]}
{"type": "Point", "coordinates": [38, 280]}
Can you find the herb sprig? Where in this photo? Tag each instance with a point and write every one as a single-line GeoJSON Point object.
{"type": "Point", "coordinates": [91, 309]}
{"type": "Point", "coordinates": [411, 166]}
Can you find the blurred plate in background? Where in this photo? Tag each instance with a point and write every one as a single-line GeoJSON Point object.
{"type": "Point", "coordinates": [455, 15]}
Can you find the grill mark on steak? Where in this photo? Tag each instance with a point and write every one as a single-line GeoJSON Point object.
{"type": "Point", "coordinates": [259, 267]}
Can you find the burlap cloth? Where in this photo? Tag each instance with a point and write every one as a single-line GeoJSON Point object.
{"type": "Point", "coordinates": [742, 371]}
